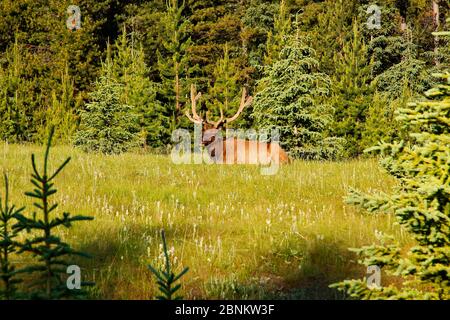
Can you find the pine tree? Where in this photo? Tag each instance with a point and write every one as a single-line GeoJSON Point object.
{"type": "Point", "coordinates": [130, 71]}
{"type": "Point", "coordinates": [8, 246]}
{"type": "Point", "coordinates": [409, 69]}
{"type": "Point", "coordinates": [48, 46]}
{"type": "Point", "coordinates": [380, 124]}
{"type": "Point", "coordinates": [326, 24]}
{"type": "Point", "coordinates": [173, 63]}
{"type": "Point", "coordinates": [353, 93]}
{"type": "Point", "coordinates": [16, 97]}
{"type": "Point", "coordinates": [257, 23]}
{"type": "Point", "coordinates": [214, 24]}
{"type": "Point", "coordinates": [146, 21]}
{"type": "Point", "coordinates": [420, 204]}
{"type": "Point", "coordinates": [44, 243]}
{"type": "Point", "coordinates": [290, 102]}
{"type": "Point", "coordinates": [225, 91]}
{"type": "Point", "coordinates": [61, 113]}
{"type": "Point", "coordinates": [107, 125]}
{"type": "Point", "coordinates": [276, 39]}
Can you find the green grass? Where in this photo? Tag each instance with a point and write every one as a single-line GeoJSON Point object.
{"type": "Point", "coordinates": [242, 234]}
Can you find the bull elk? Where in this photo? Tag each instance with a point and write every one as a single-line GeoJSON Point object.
{"type": "Point", "coordinates": [232, 150]}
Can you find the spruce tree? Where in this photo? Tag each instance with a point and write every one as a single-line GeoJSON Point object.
{"type": "Point", "coordinates": [215, 24]}
{"type": "Point", "coordinates": [8, 246]}
{"type": "Point", "coordinates": [44, 243]}
{"type": "Point", "coordinates": [225, 92]}
{"type": "Point", "coordinates": [131, 72]}
{"type": "Point", "coordinates": [17, 99]}
{"type": "Point", "coordinates": [352, 92]}
{"type": "Point", "coordinates": [173, 61]}
{"type": "Point", "coordinates": [291, 101]}
{"type": "Point", "coordinates": [442, 52]}
{"type": "Point", "coordinates": [326, 24]}
{"type": "Point", "coordinates": [107, 125]}
{"type": "Point", "coordinates": [46, 48]}
{"type": "Point", "coordinates": [257, 24]}
{"type": "Point", "coordinates": [409, 70]}
{"type": "Point", "coordinates": [276, 38]}
{"type": "Point", "coordinates": [61, 112]}
{"type": "Point", "coordinates": [380, 124]}
{"type": "Point", "coordinates": [420, 204]}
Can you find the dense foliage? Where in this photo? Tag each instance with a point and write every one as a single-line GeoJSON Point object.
{"type": "Point", "coordinates": [47, 72]}
{"type": "Point", "coordinates": [330, 75]}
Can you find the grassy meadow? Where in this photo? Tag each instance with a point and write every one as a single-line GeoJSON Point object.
{"type": "Point", "coordinates": [243, 235]}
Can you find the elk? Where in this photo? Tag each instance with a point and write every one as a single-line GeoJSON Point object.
{"type": "Point", "coordinates": [233, 150]}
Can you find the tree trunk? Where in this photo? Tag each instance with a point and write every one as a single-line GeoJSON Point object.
{"type": "Point", "coordinates": [177, 93]}
{"type": "Point", "coordinates": [403, 25]}
{"type": "Point", "coordinates": [436, 27]}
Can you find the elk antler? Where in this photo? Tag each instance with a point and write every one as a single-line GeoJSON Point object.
{"type": "Point", "coordinates": [217, 123]}
{"type": "Point", "coordinates": [194, 98]}
{"type": "Point", "coordinates": [245, 102]}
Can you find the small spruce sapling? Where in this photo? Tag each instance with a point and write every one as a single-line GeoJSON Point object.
{"type": "Point", "coordinates": [8, 245]}
{"type": "Point", "coordinates": [166, 278]}
{"type": "Point", "coordinates": [44, 243]}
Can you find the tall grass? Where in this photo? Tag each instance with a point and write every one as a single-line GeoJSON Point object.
{"type": "Point", "coordinates": [242, 234]}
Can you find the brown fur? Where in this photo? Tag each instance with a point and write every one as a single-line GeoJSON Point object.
{"type": "Point", "coordinates": [240, 151]}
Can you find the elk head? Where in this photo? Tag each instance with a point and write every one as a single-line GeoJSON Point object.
{"type": "Point", "coordinates": [211, 128]}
